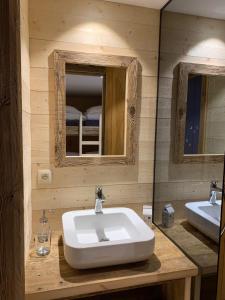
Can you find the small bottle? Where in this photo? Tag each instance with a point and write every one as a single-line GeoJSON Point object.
{"type": "Point", "coordinates": [43, 238]}
{"type": "Point", "coordinates": [168, 216]}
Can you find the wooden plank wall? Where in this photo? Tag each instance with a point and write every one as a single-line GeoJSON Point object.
{"type": "Point", "coordinates": [11, 165]}
{"type": "Point", "coordinates": [26, 120]}
{"type": "Point", "coordinates": [188, 39]}
{"type": "Point", "coordinates": [99, 27]}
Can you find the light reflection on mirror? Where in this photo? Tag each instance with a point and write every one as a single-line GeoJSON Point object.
{"type": "Point", "coordinates": [205, 116]}
{"type": "Point", "coordinates": [95, 110]}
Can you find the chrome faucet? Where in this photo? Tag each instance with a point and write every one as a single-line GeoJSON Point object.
{"type": "Point", "coordinates": [99, 200]}
{"type": "Point", "coordinates": [214, 189]}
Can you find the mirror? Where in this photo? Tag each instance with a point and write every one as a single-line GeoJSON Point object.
{"type": "Point", "coordinates": [200, 113]}
{"type": "Point", "coordinates": [205, 116]}
{"type": "Point", "coordinates": [96, 108]}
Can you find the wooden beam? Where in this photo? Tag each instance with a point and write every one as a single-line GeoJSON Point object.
{"type": "Point", "coordinates": [11, 167]}
{"type": "Point", "coordinates": [178, 289]}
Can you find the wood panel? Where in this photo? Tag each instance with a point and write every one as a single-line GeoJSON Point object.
{"type": "Point", "coordinates": [70, 176]}
{"type": "Point", "coordinates": [99, 10]}
{"type": "Point", "coordinates": [75, 27]}
{"type": "Point", "coordinates": [42, 80]}
{"type": "Point", "coordinates": [26, 130]}
{"type": "Point", "coordinates": [146, 150]}
{"type": "Point", "coordinates": [126, 38]}
{"type": "Point", "coordinates": [41, 50]}
{"type": "Point", "coordinates": [170, 172]}
{"type": "Point", "coordinates": [145, 171]}
{"type": "Point", "coordinates": [26, 120]}
{"type": "Point", "coordinates": [170, 60]}
{"type": "Point", "coordinates": [186, 23]}
{"type": "Point", "coordinates": [85, 195]}
{"type": "Point", "coordinates": [11, 158]}
{"type": "Point", "coordinates": [75, 186]}
{"type": "Point", "coordinates": [176, 192]}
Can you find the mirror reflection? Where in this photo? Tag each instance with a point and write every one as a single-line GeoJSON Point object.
{"type": "Point", "coordinates": [205, 115]}
{"type": "Point", "coordinates": [95, 110]}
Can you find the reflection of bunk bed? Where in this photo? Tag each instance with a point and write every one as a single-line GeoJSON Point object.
{"type": "Point", "coordinates": [83, 131]}
{"type": "Point", "coordinates": [86, 127]}
{"type": "Point", "coordinates": [87, 130]}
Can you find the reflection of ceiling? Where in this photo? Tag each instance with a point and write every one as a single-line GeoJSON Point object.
{"type": "Point", "coordinates": [83, 84]}
{"type": "Point", "coordinates": [205, 8]}
{"type": "Point", "coordinates": [157, 4]}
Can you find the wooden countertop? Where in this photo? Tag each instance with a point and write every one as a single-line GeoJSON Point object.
{"type": "Point", "coordinates": [52, 278]}
{"type": "Point", "coordinates": [200, 249]}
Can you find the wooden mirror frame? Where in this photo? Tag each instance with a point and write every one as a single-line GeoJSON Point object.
{"type": "Point", "coordinates": [184, 69]}
{"type": "Point", "coordinates": [61, 58]}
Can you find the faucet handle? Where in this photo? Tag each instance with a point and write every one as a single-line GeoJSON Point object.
{"type": "Point", "coordinates": [98, 190]}
{"type": "Point", "coordinates": [214, 183]}
{"type": "Point", "coordinates": [99, 193]}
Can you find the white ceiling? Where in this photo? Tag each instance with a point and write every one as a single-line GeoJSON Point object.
{"type": "Point", "coordinates": [157, 4]}
{"type": "Point", "coordinates": [205, 8]}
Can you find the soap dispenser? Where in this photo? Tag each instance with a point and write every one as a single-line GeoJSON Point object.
{"type": "Point", "coordinates": [43, 238]}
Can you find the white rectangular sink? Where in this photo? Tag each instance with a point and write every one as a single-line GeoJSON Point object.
{"type": "Point", "coordinates": [205, 217]}
{"type": "Point", "coordinates": [117, 236]}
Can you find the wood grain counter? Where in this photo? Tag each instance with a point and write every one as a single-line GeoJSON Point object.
{"type": "Point", "coordinates": [200, 249]}
{"type": "Point", "coordinates": [52, 278]}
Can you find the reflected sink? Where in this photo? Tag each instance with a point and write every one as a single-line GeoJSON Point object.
{"type": "Point", "coordinates": [117, 236]}
{"type": "Point", "coordinates": [205, 217]}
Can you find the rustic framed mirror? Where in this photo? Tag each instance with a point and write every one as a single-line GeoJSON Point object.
{"type": "Point", "coordinates": [200, 114]}
{"type": "Point", "coordinates": [96, 99]}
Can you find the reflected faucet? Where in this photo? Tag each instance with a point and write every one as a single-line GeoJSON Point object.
{"type": "Point", "coordinates": [99, 200]}
{"type": "Point", "coordinates": [214, 189]}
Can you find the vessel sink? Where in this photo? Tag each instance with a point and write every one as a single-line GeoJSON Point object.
{"type": "Point", "coordinates": [116, 236]}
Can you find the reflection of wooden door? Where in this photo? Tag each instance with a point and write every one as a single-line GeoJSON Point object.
{"type": "Point", "coordinates": [192, 131]}
{"type": "Point", "coordinates": [221, 262]}
{"type": "Point", "coordinates": [114, 108]}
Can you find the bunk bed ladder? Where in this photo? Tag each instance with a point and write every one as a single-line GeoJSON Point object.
{"type": "Point", "coordinates": [97, 143]}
